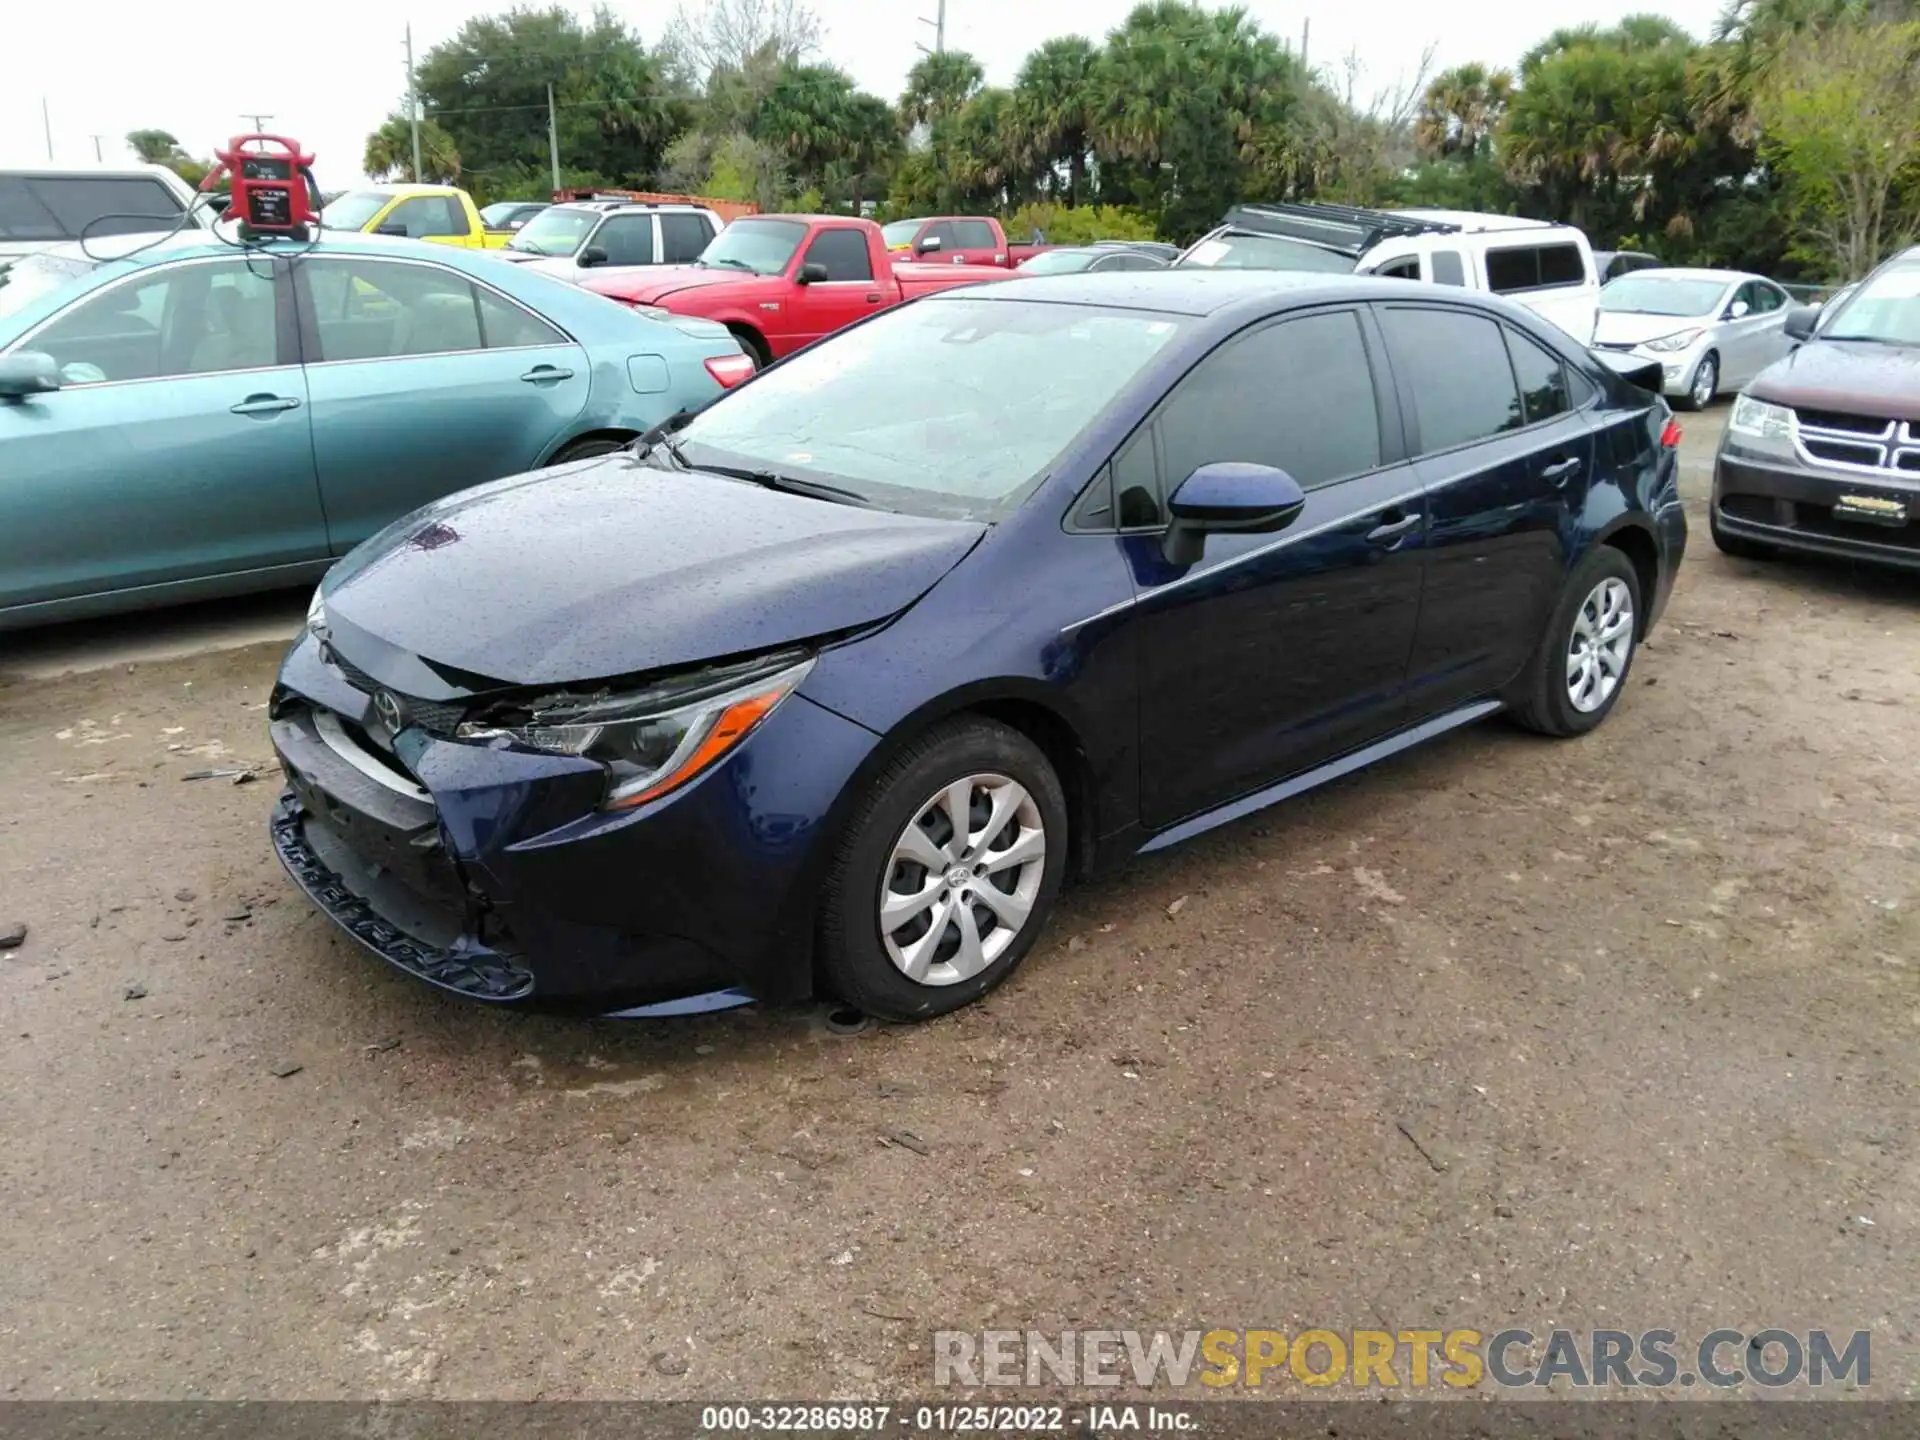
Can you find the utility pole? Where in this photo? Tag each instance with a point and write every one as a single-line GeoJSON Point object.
{"type": "Point", "coordinates": [553, 141]}
{"type": "Point", "coordinates": [939, 30]}
{"type": "Point", "coordinates": [413, 106]}
{"type": "Point", "coordinates": [259, 122]}
{"type": "Point", "coordinates": [46, 123]}
{"type": "Point", "coordinates": [1306, 28]}
{"type": "Point", "coordinates": [96, 147]}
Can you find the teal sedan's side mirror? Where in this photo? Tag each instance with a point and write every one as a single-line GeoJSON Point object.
{"type": "Point", "coordinates": [31, 372]}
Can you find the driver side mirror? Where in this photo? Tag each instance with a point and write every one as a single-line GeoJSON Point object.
{"type": "Point", "coordinates": [391, 229]}
{"type": "Point", "coordinates": [1800, 321]}
{"type": "Point", "coordinates": [30, 372]}
{"type": "Point", "coordinates": [1230, 498]}
{"type": "Point", "coordinates": [811, 273]}
{"type": "Point", "coordinates": [593, 255]}
{"type": "Point", "coordinates": [1737, 310]}
{"type": "Point", "coordinates": [927, 246]}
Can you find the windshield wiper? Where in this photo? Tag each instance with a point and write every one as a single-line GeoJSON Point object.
{"type": "Point", "coordinates": [661, 436]}
{"type": "Point", "coordinates": [728, 260]}
{"type": "Point", "coordinates": [791, 484]}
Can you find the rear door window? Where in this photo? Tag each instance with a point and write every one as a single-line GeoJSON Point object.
{"type": "Point", "coordinates": [1542, 377]}
{"type": "Point", "coordinates": [1455, 366]}
{"type": "Point", "coordinates": [1515, 268]}
{"type": "Point", "coordinates": [683, 237]}
{"type": "Point", "coordinates": [973, 235]}
{"type": "Point", "coordinates": [367, 309]}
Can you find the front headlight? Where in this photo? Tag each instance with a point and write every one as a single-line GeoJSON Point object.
{"type": "Point", "coordinates": [656, 740]}
{"type": "Point", "coordinates": [1760, 420]}
{"type": "Point", "coordinates": [317, 612]}
{"type": "Point", "coordinates": [1667, 344]}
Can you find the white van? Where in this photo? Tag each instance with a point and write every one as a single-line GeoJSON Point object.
{"type": "Point", "coordinates": [1546, 267]}
{"type": "Point", "coordinates": [46, 205]}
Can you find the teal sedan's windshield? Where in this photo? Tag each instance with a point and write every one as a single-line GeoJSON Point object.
{"type": "Point", "coordinates": [950, 407]}
{"type": "Point", "coordinates": [1885, 308]}
{"type": "Point", "coordinates": [33, 276]}
{"type": "Point", "coordinates": [554, 232]}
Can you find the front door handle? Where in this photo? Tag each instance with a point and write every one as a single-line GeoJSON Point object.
{"type": "Point", "coordinates": [874, 298]}
{"type": "Point", "coordinates": [546, 373]}
{"type": "Point", "coordinates": [1561, 469]}
{"type": "Point", "coordinates": [1393, 529]}
{"type": "Point", "coordinates": [265, 405]}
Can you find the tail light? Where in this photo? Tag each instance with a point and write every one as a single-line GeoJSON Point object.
{"type": "Point", "coordinates": [730, 370]}
{"type": "Point", "coordinates": [1670, 437]}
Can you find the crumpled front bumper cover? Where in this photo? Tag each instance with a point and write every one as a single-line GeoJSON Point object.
{"type": "Point", "coordinates": [465, 966]}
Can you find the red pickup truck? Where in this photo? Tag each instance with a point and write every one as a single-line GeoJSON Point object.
{"type": "Point", "coordinates": [960, 239]}
{"type": "Point", "coordinates": [782, 281]}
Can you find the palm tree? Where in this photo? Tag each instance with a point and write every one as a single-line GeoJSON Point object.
{"type": "Point", "coordinates": [1461, 110]}
{"type": "Point", "coordinates": [390, 152]}
{"type": "Point", "coordinates": [938, 85]}
{"type": "Point", "coordinates": [1052, 97]}
{"type": "Point", "coordinates": [154, 147]}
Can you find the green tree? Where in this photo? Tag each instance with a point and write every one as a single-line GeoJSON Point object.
{"type": "Point", "coordinates": [154, 147]}
{"type": "Point", "coordinates": [1840, 117]}
{"type": "Point", "coordinates": [938, 85]}
{"type": "Point", "coordinates": [389, 153]}
{"type": "Point", "coordinates": [487, 88]}
{"type": "Point", "coordinates": [1052, 100]}
{"type": "Point", "coordinates": [1461, 110]}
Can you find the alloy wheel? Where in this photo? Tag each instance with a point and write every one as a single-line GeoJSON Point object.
{"type": "Point", "coordinates": [962, 879]}
{"type": "Point", "coordinates": [1706, 381]}
{"type": "Point", "coordinates": [1601, 643]}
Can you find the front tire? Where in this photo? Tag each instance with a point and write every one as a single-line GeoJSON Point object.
{"type": "Point", "coordinates": [1705, 384]}
{"type": "Point", "coordinates": [947, 874]}
{"type": "Point", "coordinates": [1577, 675]}
{"type": "Point", "coordinates": [587, 449]}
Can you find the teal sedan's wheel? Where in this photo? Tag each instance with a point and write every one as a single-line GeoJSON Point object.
{"type": "Point", "coordinates": [587, 449]}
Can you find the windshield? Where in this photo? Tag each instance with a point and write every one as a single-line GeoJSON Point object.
{"type": "Point", "coordinates": [496, 215]}
{"type": "Point", "coordinates": [946, 407]}
{"type": "Point", "coordinates": [554, 232]}
{"type": "Point", "coordinates": [32, 276]}
{"type": "Point", "coordinates": [1661, 295]}
{"type": "Point", "coordinates": [1266, 252]}
{"type": "Point", "coordinates": [900, 232]}
{"type": "Point", "coordinates": [762, 246]}
{"type": "Point", "coordinates": [1886, 308]}
{"type": "Point", "coordinates": [354, 209]}
{"type": "Point", "coordinates": [1057, 262]}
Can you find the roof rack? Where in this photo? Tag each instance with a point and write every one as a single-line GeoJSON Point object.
{"type": "Point", "coordinates": [1346, 228]}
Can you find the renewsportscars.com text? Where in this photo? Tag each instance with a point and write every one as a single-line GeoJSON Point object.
{"type": "Point", "coordinates": [1403, 1359]}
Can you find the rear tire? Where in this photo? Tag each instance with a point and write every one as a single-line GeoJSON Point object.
{"type": "Point", "coordinates": [1577, 675]}
{"type": "Point", "coordinates": [587, 449]}
{"type": "Point", "coordinates": [904, 933]}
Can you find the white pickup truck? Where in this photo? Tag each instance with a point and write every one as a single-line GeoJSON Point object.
{"type": "Point", "coordinates": [46, 205]}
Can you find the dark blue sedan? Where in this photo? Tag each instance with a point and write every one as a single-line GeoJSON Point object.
{"type": "Point", "coordinates": [830, 690]}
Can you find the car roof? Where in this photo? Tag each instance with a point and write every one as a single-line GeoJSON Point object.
{"type": "Point", "coordinates": [1474, 221]}
{"type": "Point", "coordinates": [189, 243]}
{"type": "Point", "coordinates": [1203, 292]}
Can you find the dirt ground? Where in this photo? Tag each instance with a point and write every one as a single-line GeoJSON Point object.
{"type": "Point", "coordinates": [1647, 1004]}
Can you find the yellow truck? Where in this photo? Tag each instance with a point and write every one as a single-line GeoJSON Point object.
{"type": "Point", "coordinates": [443, 214]}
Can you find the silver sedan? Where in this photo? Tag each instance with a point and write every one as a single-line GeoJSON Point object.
{"type": "Point", "coordinates": [1711, 331]}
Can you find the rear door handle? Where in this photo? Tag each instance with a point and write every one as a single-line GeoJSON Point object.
{"type": "Point", "coordinates": [1561, 469]}
{"type": "Point", "coordinates": [265, 405]}
{"type": "Point", "coordinates": [540, 373]}
{"type": "Point", "coordinates": [1393, 529]}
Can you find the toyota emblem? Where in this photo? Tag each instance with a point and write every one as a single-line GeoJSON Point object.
{"type": "Point", "coordinates": [389, 711]}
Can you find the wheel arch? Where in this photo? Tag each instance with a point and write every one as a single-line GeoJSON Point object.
{"type": "Point", "coordinates": [606, 432]}
{"type": "Point", "coordinates": [1632, 535]}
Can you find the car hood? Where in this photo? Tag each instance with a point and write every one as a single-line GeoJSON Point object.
{"type": "Point", "coordinates": [1856, 378]}
{"type": "Point", "coordinates": [648, 287]}
{"type": "Point", "coordinates": [1618, 327]}
{"type": "Point", "coordinates": [610, 568]}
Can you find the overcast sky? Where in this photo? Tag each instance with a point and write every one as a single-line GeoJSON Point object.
{"type": "Point", "coordinates": [327, 73]}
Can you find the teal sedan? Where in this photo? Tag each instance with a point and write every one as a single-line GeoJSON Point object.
{"type": "Point", "coordinates": [200, 420]}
